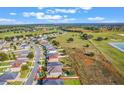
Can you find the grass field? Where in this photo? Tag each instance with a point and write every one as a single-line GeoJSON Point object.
{"type": "Point", "coordinates": [9, 34]}
{"type": "Point", "coordinates": [76, 43]}
{"type": "Point", "coordinates": [112, 54]}
{"type": "Point", "coordinates": [24, 73]}
{"type": "Point", "coordinates": [15, 83]}
{"type": "Point", "coordinates": [4, 64]}
{"type": "Point", "coordinates": [71, 82]}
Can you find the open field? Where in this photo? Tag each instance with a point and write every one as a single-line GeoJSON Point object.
{"type": "Point", "coordinates": [9, 34]}
{"type": "Point", "coordinates": [34, 33]}
{"type": "Point", "coordinates": [97, 69]}
{"type": "Point", "coordinates": [112, 54]}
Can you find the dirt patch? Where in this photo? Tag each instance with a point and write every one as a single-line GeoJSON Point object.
{"type": "Point", "coordinates": [93, 70]}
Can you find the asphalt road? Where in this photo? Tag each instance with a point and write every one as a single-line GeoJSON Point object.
{"type": "Point", "coordinates": [34, 70]}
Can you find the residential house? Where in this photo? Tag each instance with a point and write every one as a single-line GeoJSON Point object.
{"type": "Point", "coordinates": [16, 66]}
{"type": "Point", "coordinates": [25, 46]}
{"type": "Point", "coordinates": [8, 76]}
{"type": "Point", "coordinates": [52, 57]}
{"type": "Point", "coordinates": [5, 49]}
{"type": "Point", "coordinates": [54, 69]}
{"type": "Point", "coordinates": [22, 53]}
{"type": "Point", "coordinates": [53, 82]}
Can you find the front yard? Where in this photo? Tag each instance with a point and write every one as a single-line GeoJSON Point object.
{"type": "Point", "coordinates": [15, 83]}
{"type": "Point", "coordinates": [23, 74]}
{"type": "Point", "coordinates": [72, 82]}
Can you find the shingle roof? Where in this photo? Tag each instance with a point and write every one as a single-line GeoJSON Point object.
{"type": "Point", "coordinates": [8, 76]}
{"type": "Point", "coordinates": [53, 82]}
{"type": "Point", "coordinates": [54, 63]}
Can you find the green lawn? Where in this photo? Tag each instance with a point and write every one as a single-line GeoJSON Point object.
{"type": "Point", "coordinates": [2, 69]}
{"type": "Point", "coordinates": [72, 82]}
{"type": "Point", "coordinates": [4, 63]}
{"type": "Point", "coordinates": [15, 83]}
{"type": "Point", "coordinates": [9, 34]}
{"type": "Point", "coordinates": [76, 43]}
{"type": "Point", "coordinates": [24, 73]}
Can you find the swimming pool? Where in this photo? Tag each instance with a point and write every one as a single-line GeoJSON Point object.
{"type": "Point", "coordinates": [118, 45]}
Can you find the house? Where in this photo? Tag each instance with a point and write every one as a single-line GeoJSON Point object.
{"type": "Point", "coordinates": [22, 53]}
{"type": "Point", "coordinates": [54, 69]}
{"type": "Point", "coordinates": [5, 49]}
{"type": "Point", "coordinates": [2, 43]}
{"type": "Point", "coordinates": [18, 62]}
{"type": "Point", "coordinates": [53, 82]}
{"type": "Point", "coordinates": [22, 60]}
{"type": "Point", "coordinates": [25, 46]}
{"type": "Point", "coordinates": [8, 76]}
{"type": "Point", "coordinates": [51, 51]}
{"type": "Point", "coordinates": [43, 42]}
{"type": "Point", "coordinates": [52, 57]}
{"type": "Point", "coordinates": [16, 65]}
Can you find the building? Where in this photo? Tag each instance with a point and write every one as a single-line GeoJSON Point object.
{"type": "Point", "coordinates": [54, 69]}
{"type": "Point", "coordinates": [8, 76]}
{"type": "Point", "coordinates": [52, 57]}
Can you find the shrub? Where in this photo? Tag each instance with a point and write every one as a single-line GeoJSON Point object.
{"type": "Point", "coordinates": [106, 38]}
{"type": "Point", "coordinates": [4, 57]}
{"type": "Point", "coordinates": [99, 39]}
{"type": "Point", "coordinates": [86, 36]}
{"type": "Point", "coordinates": [87, 45]}
{"type": "Point", "coordinates": [91, 54]}
{"type": "Point", "coordinates": [30, 55]}
{"type": "Point", "coordinates": [54, 42]}
{"type": "Point", "coordinates": [24, 67]}
{"type": "Point", "coordinates": [70, 40]}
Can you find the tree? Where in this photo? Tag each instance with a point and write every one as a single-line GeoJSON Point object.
{"type": "Point", "coordinates": [24, 67]}
{"type": "Point", "coordinates": [99, 39]}
{"type": "Point", "coordinates": [30, 55]}
{"type": "Point", "coordinates": [3, 57]}
{"type": "Point", "coordinates": [54, 42]}
{"type": "Point", "coordinates": [14, 47]}
{"type": "Point", "coordinates": [86, 36]}
{"type": "Point", "coordinates": [91, 54]}
{"type": "Point", "coordinates": [106, 38]}
{"type": "Point", "coordinates": [70, 40]}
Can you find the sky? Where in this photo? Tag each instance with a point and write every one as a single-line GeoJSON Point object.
{"type": "Point", "coordinates": [48, 15]}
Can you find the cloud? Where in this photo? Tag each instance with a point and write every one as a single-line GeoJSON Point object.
{"type": "Point", "coordinates": [65, 20]}
{"type": "Point", "coordinates": [41, 15]}
{"type": "Point", "coordinates": [7, 20]}
{"type": "Point", "coordinates": [110, 21]}
{"type": "Point", "coordinates": [86, 8]}
{"type": "Point", "coordinates": [96, 18]}
{"type": "Point", "coordinates": [58, 10]}
{"type": "Point", "coordinates": [12, 13]}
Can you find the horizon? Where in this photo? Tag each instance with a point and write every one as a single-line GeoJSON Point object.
{"type": "Point", "coordinates": [61, 24]}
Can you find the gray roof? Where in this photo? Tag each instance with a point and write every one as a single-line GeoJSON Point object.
{"type": "Point", "coordinates": [8, 76]}
{"type": "Point", "coordinates": [53, 82]}
{"type": "Point", "coordinates": [54, 64]}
